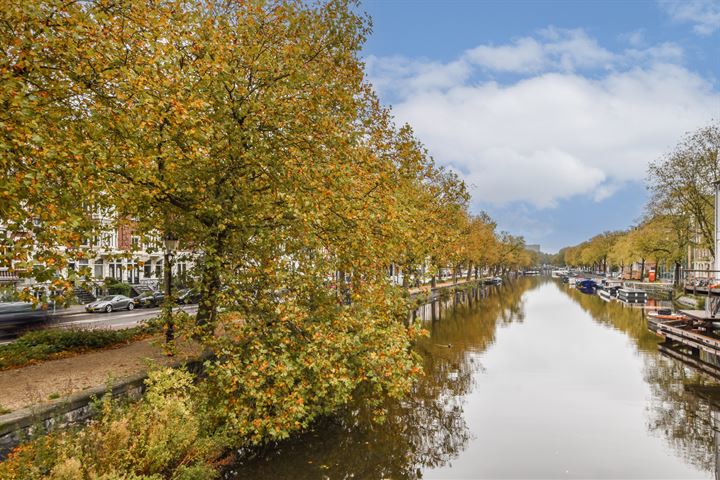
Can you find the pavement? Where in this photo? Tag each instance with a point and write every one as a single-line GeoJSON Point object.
{"type": "Point", "coordinates": [76, 317]}
{"type": "Point", "coordinates": [439, 285]}
{"type": "Point", "coordinates": [118, 319]}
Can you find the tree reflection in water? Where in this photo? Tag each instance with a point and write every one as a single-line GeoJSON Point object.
{"type": "Point", "coordinates": [676, 414]}
{"type": "Point", "coordinates": [425, 430]}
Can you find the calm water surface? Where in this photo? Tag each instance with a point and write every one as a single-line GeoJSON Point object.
{"type": "Point", "coordinates": [534, 381]}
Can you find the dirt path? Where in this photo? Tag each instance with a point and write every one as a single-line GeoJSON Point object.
{"type": "Point", "coordinates": [40, 383]}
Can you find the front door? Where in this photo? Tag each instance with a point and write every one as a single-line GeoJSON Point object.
{"type": "Point", "coordinates": [133, 274]}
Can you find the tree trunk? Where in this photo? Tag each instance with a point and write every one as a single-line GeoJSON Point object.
{"type": "Point", "coordinates": [676, 277]}
{"type": "Point", "coordinates": [210, 285]}
{"type": "Point", "coordinates": [469, 272]}
{"type": "Point", "coordinates": [170, 326]}
{"type": "Point", "coordinates": [657, 267]}
{"type": "Point", "coordinates": [642, 269]}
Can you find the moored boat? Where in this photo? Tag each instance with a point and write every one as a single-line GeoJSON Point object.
{"type": "Point", "coordinates": [662, 316]}
{"type": "Point", "coordinates": [586, 286]}
{"type": "Point", "coordinates": [605, 295]}
{"type": "Point", "coordinates": [632, 296]}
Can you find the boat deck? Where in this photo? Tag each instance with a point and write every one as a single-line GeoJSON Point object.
{"type": "Point", "coordinates": [700, 315]}
{"type": "Point", "coordinates": [693, 338]}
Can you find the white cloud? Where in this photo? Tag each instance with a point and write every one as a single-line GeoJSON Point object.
{"type": "Point", "coordinates": [389, 73]}
{"type": "Point", "coordinates": [562, 49]}
{"type": "Point", "coordinates": [525, 55]}
{"type": "Point", "coordinates": [555, 133]}
{"type": "Point", "coordinates": [703, 14]}
{"type": "Point", "coordinates": [554, 50]}
{"type": "Point", "coordinates": [664, 52]}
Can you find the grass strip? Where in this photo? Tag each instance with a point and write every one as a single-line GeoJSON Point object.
{"type": "Point", "coordinates": [40, 345]}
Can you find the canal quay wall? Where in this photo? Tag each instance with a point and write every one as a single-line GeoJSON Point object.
{"type": "Point", "coordinates": [660, 290]}
{"type": "Point", "coordinates": [27, 423]}
{"type": "Point", "coordinates": [433, 303]}
{"type": "Point", "coordinates": [19, 426]}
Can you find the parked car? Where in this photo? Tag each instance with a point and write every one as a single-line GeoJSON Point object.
{"type": "Point", "coordinates": [149, 299]}
{"type": "Point", "coordinates": [109, 303]}
{"type": "Point", "coordinates": [188, 295]}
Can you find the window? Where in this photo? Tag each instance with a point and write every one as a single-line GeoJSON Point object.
{"type": "Point", "coordinates": [109, 240]}
{"type": "Point", "coordinates": [159, 269]}
{"type": "Point", "coordinates": [147, 270]}
{"type": "Point", "coordinates": [99, 271]}
{"type": "Point", "coordinates": [133, 272]}
{"type": "Point", "coordinates": [181, 268]}
{"type": "Point", "coordinates": [116, 270]}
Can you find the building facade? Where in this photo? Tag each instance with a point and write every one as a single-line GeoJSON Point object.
{"type": "Point", "coordinates": [118, 254]}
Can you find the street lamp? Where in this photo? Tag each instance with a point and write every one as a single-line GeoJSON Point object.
{"type": "Point", "coordinates": [171, 245]}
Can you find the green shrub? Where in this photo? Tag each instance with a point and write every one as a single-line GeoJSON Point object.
{"type": "Point", "coordinates": [161, 436]}
{"type": "Point", "coordinates": [119, 289]}
{"type": "Point", "coordinates": [46, 344]}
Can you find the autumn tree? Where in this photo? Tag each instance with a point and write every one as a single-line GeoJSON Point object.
{"type": "Point", "coordinates": [482, 244]}
{"type": "Point", "coordinates": [249, 132]}
{"type": "Point", "coordinates": [49, 185]}
{"type": "Point", "coordinates": [511, 253]}
{"type": "Point", "coordinates": [434, 204]}
{"type": "Point", "coordinates": [683, 181]}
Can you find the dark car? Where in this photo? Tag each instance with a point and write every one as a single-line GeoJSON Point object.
{"type": "Point", "coordinates": [17, 316]}
{"type": "Point", "coordinates": [188, 295]}
{"type": "Point", "coordinates": [109, 303]}
{"type": "Point", "coordinates": [149, 299]}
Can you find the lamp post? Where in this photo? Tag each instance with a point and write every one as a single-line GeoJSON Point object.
{"type": "Point", "coordinates": [171, 245]}
{"type": "Point", "coordinates": [716, 264]}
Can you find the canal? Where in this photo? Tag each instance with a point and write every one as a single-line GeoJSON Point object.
{"type": "Point", "coordinates": [535, 380]}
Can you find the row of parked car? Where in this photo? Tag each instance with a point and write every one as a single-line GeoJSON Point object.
{"type": "Point", "coordinates": [149, 299]}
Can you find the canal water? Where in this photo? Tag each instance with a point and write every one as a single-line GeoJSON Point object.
{"type": "Point", "coordinates": [535, 380]}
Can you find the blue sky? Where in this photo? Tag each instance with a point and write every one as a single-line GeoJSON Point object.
{"type": "Point", "coordinates": [550, 110]}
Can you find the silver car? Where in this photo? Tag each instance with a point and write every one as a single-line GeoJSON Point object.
{"type": "Point", "coordinates": [109, 303]}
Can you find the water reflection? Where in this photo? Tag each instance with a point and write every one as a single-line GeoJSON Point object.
{"type": "Point", "coordinates": [675, 412]}
{"type": "Point", "coordinates": [427, 430]}
{"type": "Point", "coordinates": [520, 383]}
{"type": "Point", "coordinates": [627, 319]}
